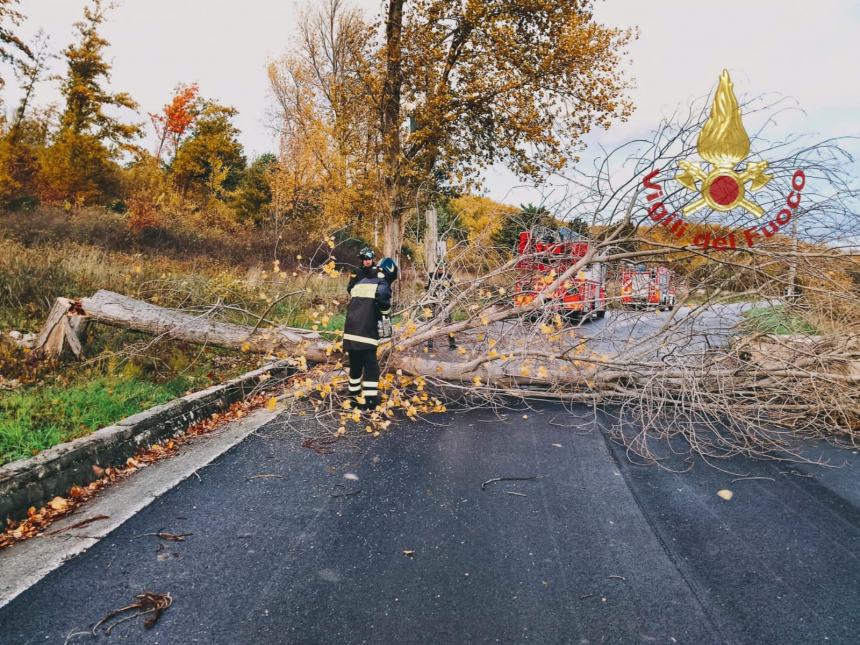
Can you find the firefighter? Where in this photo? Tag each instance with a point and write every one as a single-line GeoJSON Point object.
{"type": "Point", "coordinates": [438, 286]}
{"type": "Point", "coordinates": [367, 321]}
{"type": "Point", "coordinates": [366, 268]}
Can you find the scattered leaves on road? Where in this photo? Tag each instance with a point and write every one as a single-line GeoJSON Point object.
{"type": "Point", "coordinates": [38, 520]}
{"type": "Point", "coordinates": [725, 494]}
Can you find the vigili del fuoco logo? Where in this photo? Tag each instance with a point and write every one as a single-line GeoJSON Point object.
{"type": "Point", "coordinates": [721, 185]}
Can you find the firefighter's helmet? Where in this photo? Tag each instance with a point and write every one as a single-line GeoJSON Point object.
{"type": "Point", "coordinates": [389, 268]}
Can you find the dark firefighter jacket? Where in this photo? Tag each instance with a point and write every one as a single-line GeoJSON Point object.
{"type": "Point", "coordinates": [370, 298]}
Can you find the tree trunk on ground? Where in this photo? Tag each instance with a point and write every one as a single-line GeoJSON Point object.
{"type": "Point", "coordinates": [121, 311]}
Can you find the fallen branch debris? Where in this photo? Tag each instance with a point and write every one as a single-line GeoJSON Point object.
{"type": "Point", "coordinates": [508, 479]}
{"type": "Point", "coordinates": [148, 602]}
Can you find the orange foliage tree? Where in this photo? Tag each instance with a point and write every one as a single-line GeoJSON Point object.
{"type": "Point", "coordinates": [176, 118]}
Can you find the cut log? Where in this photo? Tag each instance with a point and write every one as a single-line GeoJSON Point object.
{"type": "Point", "coordinates": [51, 338]}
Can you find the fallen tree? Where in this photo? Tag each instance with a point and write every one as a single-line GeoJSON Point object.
{"type": "Point", "coordinates": [701, 373]}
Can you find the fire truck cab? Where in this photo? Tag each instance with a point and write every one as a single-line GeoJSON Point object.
{"type": "Point", "coordinates": [643, 286]}
{"type": "Point", "coordinates": [544, 255]}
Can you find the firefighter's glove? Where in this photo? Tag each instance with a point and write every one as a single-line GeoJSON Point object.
{"type": "Point", "coordinates": [384, 327]}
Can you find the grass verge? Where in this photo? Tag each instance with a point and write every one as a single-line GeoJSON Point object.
{"type": "Point", "coordinates": [35, 418]}
{"type": "Point", "coordinates": [777, 320]}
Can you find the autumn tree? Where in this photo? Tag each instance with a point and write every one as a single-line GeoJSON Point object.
{"type": "Point", "coordinates": [26, 133]}
{"type": "Point", "coordinates": [210, 158]}
{"type": "Point", "coordinates": [481, 217]}
{"type": "Point", "coordinates": [326, 97]}
{"type": "Point", "coordinates": [80, 165]}
{"type": "Point", "coordinates": [477, 82]}
{"type": "Point", "coordinates": [176, 118]}
{"type": "Point", "coordinates": [12, 48]}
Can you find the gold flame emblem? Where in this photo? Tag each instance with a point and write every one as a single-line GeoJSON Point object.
{"type": "Point", "coordinates": [724, 143]}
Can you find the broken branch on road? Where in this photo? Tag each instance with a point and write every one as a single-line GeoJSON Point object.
{"type": "Point", "coordinates": [148, 602]}
{"type": "Point", "coordinates": [508, 479]}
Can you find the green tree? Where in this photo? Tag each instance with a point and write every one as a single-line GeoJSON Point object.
{"type": "Point", "coordinates": [80, 165]}
{"type": "Point", "coordinates": [254, 192]}
{"type": "Point", "coordinates": [525, 219]}
{"type": "Point", "coordinates": [211, 159]}
{"type": "Point", "coordinates": [578, 226]}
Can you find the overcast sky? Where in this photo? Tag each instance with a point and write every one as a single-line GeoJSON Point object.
{"type": "Point", "coordinates": [807, 51]}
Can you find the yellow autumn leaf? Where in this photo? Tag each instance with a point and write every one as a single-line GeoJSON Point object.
{"type": "Point", "coordinates": [476, 380]}
{"type": "Point", "coordinates": [59, 504]}
{"type": "Point", "coordinates": [246, 347]}
{"type": "Point", "coordinates": [272, 404]}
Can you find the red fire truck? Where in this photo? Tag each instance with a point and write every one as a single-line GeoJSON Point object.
{"type": "Point", "coordinates": [642, 286]}
{"type": "Point", "coordinates": [544, 255]}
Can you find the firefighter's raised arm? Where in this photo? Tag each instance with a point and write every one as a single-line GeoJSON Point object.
{"type": "Point", "coordinates": [353, 278]}
{"type": "Point", "coordinates": [388, 271]}
{"type": "Point", "coordinates": [383, 298]}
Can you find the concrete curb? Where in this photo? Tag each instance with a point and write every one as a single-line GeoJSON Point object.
{"type": "Point", "coordinates": [35, 481]}
{"type": "Point", "coordinates": [27, 562]}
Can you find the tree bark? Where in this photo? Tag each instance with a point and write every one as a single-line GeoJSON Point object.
{"type": "Point", "coordinates": [390, 128]}
{"type": "Point", "coordinates": [431, 240]}
{"type": "Point", "coordinates": [121, 311]}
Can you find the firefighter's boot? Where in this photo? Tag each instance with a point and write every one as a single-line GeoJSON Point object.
{"type": "Point", "coordinates": [370, 393]}
{"type": "Point", "coordinates": [354, 390]}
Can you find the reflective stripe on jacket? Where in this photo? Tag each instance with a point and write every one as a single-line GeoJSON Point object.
{"type": "Point", "coordinates": [370, 298]}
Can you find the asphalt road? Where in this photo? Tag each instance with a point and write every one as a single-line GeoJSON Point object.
{"type": "Point", "coordinates": [393, 540]}
{"type": "Point", "coordinates": [686, 330]}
